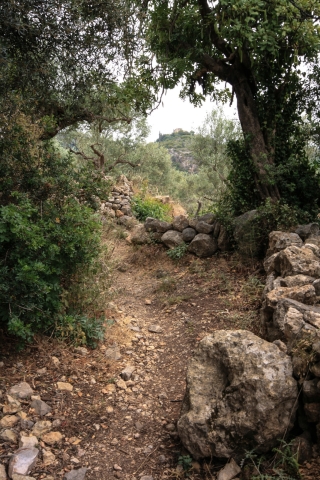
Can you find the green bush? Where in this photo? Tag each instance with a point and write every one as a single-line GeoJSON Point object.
{"type": "Point", "coordinates": [48, 230]}
{"type": "Point", "coordinates": [145, 206]}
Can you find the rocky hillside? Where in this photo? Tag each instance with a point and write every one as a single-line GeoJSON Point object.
{"type": "Point", "coordinates": [178, 145]}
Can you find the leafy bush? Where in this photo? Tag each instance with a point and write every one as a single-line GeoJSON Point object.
{"type": "Point", "coordinates": [177, 252]}
{"type": "Point", "coordinates": [146, 206]}
{"type": "Point", "coordinates": [48, 230]}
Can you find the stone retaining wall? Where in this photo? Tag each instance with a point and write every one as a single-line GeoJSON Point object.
{"type": "Point", "coordinates": [204, 235]}
{"type": "Point", "coordinates": [290, 315]}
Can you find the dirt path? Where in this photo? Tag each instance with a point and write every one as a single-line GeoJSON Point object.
{"type": "Point", "coordinates": [127, 429]}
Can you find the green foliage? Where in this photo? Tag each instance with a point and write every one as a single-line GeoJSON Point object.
{"type": "Point", "coordinates": [283, 466]}
{"type": "Point", "coordinates": [145, 206]}
{"type": "Point", "coordinates": [297, 178]}
{"type": "Point", "coordinates": [186, 462]}
{"type": "Point", "coordinates": [177, 252]}
{"type": "Point", "coordinates": [66, 69]}
{"type": "Point", "coordinates": [80, 329]}
{"type": "Point", "coordinates": [48, 230]}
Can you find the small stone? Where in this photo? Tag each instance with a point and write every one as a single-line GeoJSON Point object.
{"type": "Point", "coordinates": [110, 388]}
{"type": "Point", "coordinates": [147, 301]}
{"type": "Point", "coordinates": [42, 371]}
{"type": "Point", "coordinates": [162, 459]}
{"type": "Point", "coordinates": [21, 390]}
{"type": "Point", "coordinates": [52, 437]}
{"type": "Point", "coordinates": [230, 471]}
{"type": "Point", "coordinates": [55, 361]}
{"type": "Point", "coordinates": [28, 442]}
{"type": "Point", "coordinates": [93, 381]}
{"type": "Point", "coordinates": [109, 409]}
{"type": "Point", "coordinates": [170, 427]}
{"type": "Point", "coordinates": [127, 372]}
{"type": "Point", "coordinates": [117, 467]}
{"type": "Point", "coordinates": [26, 424]}
{"type": "Point", "coordinates": [121, 384]}
{"type": "Point", "coordinates": [9, 436]}
{"type": "Point", "coordinates": [82, 350]}
{"type": "Point", "coordinates": [78, 474]}
{"type": "Point", "coordinates": [35, 397]}
{"type": "Point", "coordinates": [139, 426]}
{"type": "Point", "coordinates": [146, 477]}
{"type": "Point", "coordinates": [113, 353]}
{"type": "Point", "coordinates": [23, 461]}
{"type": "Point", "coordinates": [13, 405]}
{"type": "Point", "coordinates": [41, 427]}
{"type": "Point", "coordinates": [65, 386]}
{"type": "Point", "coordinates": [48, 458]}
{"type": "Point", "coordinates": [155, 329]}
{"type": "Point", "coordinates": [9, 421]}
{"type": "Point", "coordinates": [114, 442]}
{"type": "Point", "coordinates": [1, 364]}
{"type": "Point", "coordinates": [41, 408]}
{"type": "Point", "coordinates": [56, 423]}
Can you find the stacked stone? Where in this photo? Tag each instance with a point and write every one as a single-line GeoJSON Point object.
{"type": "Point", "coordinates": [119, 201]}
{"type": "Point", "coordinates": [290, 312]}
{"type": "Point", "coordinates": [204, 235]}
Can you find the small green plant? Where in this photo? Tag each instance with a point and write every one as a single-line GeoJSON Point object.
{"type": "Point", "coordinates": [168, 284]}
{"type": "Point", "coordinates": [177, 252]}
{"type": "Point", "coordinates": [283, 466]}
{"type": "Point", "coordinates": [186, 462]}
{"type": "Point", "coordinates": [80, 329]}
{"type": "Point", "coordinates": [146, 206]}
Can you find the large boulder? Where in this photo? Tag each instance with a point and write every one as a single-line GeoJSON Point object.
{"type": "Point", "coordinates": [172, 239]}
{"type": "Point", "coordinates": [188, 234]}
{"type": "Point", "coordinates": [203, 245]}
{"type": "Point", "coordinates": [208, 218]}
{"type": "Point", "coordinates": [281, 240]}
{"type": "Point", "coordinates": [290, 320]}
{"type": "Point", "coordinates": [180, 223]}
{"type": "Point", "coordinates": [297, 261]}
{"type": "Point", "coordinates": [155, 225]}
{"type": "Point", "coordinates": [246, 234]}
{"type": "Point", "coordinates": [204, 227]}
{"type": "Point", "coordinates": [306, 231]}
{"type": "Point", "coordinates": [240, 395]}
{"type": "Point", "coordinates": [224, 243]}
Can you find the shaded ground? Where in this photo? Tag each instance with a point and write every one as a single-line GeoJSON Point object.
{"type": "Point", "coordinates": [127, 431]}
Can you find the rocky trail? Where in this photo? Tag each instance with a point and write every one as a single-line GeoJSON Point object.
{"type": "Point", "coordinates": [113, 411]}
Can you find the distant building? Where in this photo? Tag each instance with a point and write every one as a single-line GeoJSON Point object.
{"type": "Point", "coordinates": [177, 130]}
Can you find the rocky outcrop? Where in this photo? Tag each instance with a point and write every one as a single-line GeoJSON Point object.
{"type": "Point", "coordinates": [240, 395]}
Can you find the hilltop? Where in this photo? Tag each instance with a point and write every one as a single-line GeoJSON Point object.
{"type": "Point", "coordinates": [178, 145]}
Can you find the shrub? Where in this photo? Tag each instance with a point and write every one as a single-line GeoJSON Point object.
{"type": "Point", "coordinates": [146, 206]}
{"type": "Point", "coordinates": [48, 230]}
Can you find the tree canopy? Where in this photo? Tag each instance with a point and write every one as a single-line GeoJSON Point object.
{"type": "Point", "coordinates": [69, 61]}
{"type": "Point", "coordinates": [256, 48]}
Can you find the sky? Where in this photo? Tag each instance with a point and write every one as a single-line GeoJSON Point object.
{"type": "Point", "coordinates": [178, 113]}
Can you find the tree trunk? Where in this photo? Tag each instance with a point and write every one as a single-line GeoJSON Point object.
{"type": "Point", "coordinates": [253, 134]}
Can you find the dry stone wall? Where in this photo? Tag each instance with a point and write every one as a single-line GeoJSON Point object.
{"type": "Point", "coordinates": [204, 235]}
{"type": "Point", "coordinates": [290, 314]}
{"type": "Point", "coordinates": [119, 201]}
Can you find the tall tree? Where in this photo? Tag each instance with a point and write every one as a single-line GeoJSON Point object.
{"type": "Point", "coordinates": [65, 58]}
{"type": "Point", "coordinates": [254, 46]}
